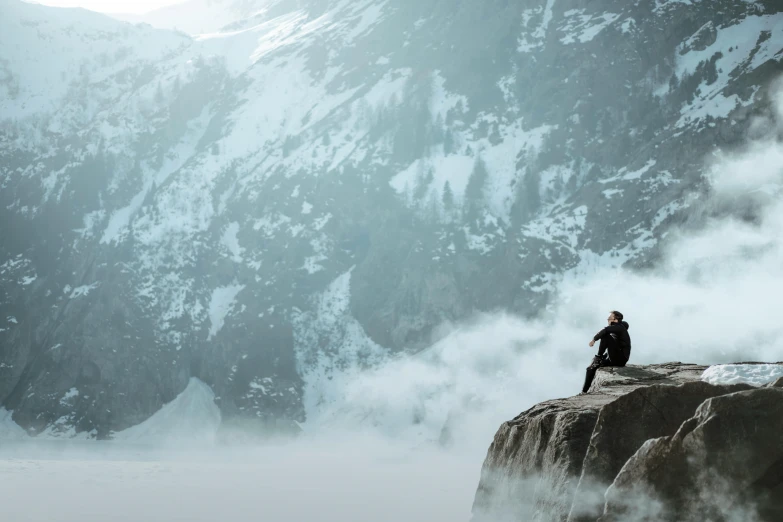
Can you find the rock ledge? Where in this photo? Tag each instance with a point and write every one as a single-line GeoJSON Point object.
{"type": "Point", "coordinates": [647, 443]}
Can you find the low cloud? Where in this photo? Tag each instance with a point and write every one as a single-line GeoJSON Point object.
{"type": "Point", "coordinates": [713, 298]}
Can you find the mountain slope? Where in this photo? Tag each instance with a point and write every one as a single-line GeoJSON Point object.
{"type": "Point", "coordinates": [205, 16]}
{"type": "Point", "coordinates": [189, 207]}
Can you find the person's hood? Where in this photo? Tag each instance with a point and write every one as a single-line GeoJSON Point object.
{"type": "Point", "coordinates": [624, 324]}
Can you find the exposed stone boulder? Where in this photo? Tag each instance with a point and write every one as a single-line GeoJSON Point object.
{"type": "Point", "coordinates": [724, 464]}
{"type": "Point", "coordinates": [535, 460]}
{"type": "Point", "coordinates": [555, 461]}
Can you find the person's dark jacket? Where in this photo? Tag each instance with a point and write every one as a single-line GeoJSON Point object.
{"type": "Point", "coordinates": [619, 333]}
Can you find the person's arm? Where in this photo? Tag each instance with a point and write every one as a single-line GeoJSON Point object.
{"type": "Point", "coordinates": [612, 328]}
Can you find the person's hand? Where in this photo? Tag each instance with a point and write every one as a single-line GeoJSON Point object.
{"type": "Point", "coordinates": [592, 342]}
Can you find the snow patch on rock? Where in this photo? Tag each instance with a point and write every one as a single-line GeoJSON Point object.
{"type": "Point", "coordinates": [221, 303]}
{"type": "Point", "coordinates": [331, 347]}
{"type": "Point", "coordinates": [753, 374]}
{"type": "Point", "coordinates": [500, 160]}
{"type": "Point", "coordinates": [231, 242]}
{"type": "Point", "coordinates": [82, 291]}
{"type": "Point", "coordinates": [583, 28]}
{"type": "Point", "coordinates": [70, 394]}
{"type": "Point", "coordinates": [191, 417]}
{"type": "Point", "coordinates": [563, 229]}
{"type": "Point", "coordinates": [9, 430]}
{"type": "Point", "coordinates": [741, 48]}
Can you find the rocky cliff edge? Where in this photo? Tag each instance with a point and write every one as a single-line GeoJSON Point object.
{"type": "Point", "coordinates": [646, 443]}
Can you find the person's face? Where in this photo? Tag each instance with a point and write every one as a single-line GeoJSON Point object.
{"type": "Point", "coordinates": [611, 319]}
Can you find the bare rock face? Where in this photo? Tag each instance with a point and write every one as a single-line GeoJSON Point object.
{"type": "Point", "coordinates": [622, 450]}
{"type": "Point", "coordinates": [723, 464]}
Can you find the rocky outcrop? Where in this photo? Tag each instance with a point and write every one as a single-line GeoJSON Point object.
{"type": "Point", "coordinates": [723, 464]}
{"type": "Point", "coordinates": [638, 446]}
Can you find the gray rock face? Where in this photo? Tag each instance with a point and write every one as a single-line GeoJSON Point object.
{"type": "Point", "coordinates": [570, 459]}
{"type": "Point", "coordinates": [171, 206]}
{"type": "Point", "coordinates": [723, 464]}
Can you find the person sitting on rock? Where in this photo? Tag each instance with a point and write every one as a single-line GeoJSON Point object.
{"type": "Point", "coordinates": [614, 348]}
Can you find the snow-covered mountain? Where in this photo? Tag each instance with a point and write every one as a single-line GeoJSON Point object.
{"type": "Point", "coordinates": [208, 16]}
{"type": "Point", "coordinates": [308, 186]}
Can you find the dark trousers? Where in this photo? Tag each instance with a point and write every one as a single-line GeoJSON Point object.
{"type": "Point", "coordinates": [609, 354]}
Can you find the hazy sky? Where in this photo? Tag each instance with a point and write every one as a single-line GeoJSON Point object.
{"type": "Point", "coordinates": [113, 6]}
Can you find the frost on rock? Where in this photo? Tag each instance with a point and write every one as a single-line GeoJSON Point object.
{"type": "Point", "coordinates": [192, 417]}
{"type": "Point", "coordinates": [754, 374]}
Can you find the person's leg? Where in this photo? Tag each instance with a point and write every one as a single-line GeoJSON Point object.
{"type": "Point", "coordinates": [589, 376]}
{"type": "Point", "coordinates": [598, 361]}
{"type": "Point", "coordinates": [609, 354]}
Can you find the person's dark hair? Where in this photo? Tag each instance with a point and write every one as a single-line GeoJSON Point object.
{"type": "Point", "coordinates": [617, 315]}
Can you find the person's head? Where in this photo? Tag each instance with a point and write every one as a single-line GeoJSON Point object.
{"type": "Point", "coordinates": [614, 317]}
